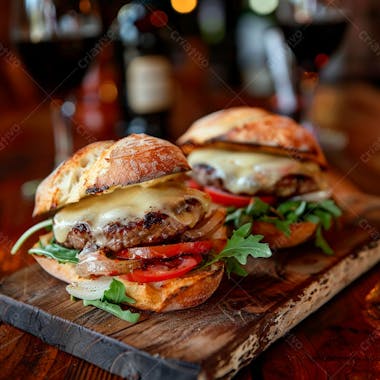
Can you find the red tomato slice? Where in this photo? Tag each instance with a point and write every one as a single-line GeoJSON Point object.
{"type": "Point", "coordinates": [164, 270]}
{"type": "Point", "coordinates": [228, 199]}
{"type": "Point", "coordinates": [165, 251]}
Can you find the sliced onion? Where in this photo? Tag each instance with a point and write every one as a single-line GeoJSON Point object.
{"type": "Point", "coordinates": [314, 196]}
{"type": "Point", "coordinates": [207, 226]}
{"type": "Point", "coordinates": [89, 289]}
{"type": "Point", "coordinates": [98, 264]}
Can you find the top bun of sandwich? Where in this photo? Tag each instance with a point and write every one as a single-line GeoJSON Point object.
{"type": "Point", "coordinates": [104, 166]}
{"type": "Point", "coordinates": [254, 129]}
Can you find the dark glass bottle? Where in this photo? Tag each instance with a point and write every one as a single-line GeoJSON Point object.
{"type": "Point", "coordinates": [147, 93]}
{"type": "Point", "coordinates": [217, 22]}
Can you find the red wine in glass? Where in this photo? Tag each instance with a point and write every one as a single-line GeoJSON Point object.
{"type": "Point", "coordinates": [314, 42]}
{"type": "Point", "coordinates": [55, 40]}
{"type": "Point", "coordinates": [57, 65]}
{"type": "Point", "coordinates": [313, 29]}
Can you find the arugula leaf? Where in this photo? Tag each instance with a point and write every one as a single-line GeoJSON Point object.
{"type": "Point", "coordinates": [116, 293]}
{"type": "Point", "coordinates": [233, 266]}
{"type": "Point", "coordinates": [57, 252]}
{"type": "Point", "coordinates": [239, 247]}
{"type": "Point", "coordinates": [300, 209]}
{"type": "Point", "coordinates": [321, 242]}
{"type": "Point", "coordinates": [242, 232]}
{"type": "Point", "coordinates": [282, 225]}
{"type": "Point", "coordinates": [313, 218]}
{"type": "Point", "coordinates": [330, 206]}
{"type": "Point", "coordinates": [324, 217]}
{"type": "Point", "coordinates": [47, 224]}
{"type": "Point", "coordinates": [114, 309]}
{"type": "Point", "coordinates": [257, 208]}
{"type": "Point", "coordinates": [235, 216]}
{"type": "Point", "coordinates": [51, 250]}
{"type": "Point", "coordinates": [112, 297]}
{"type": "Point", "coordinates": [293, 211]}
{"type": "Point", "coordinates": [254, 210]}
{"type": "Point", "coordinates": [287, 206]}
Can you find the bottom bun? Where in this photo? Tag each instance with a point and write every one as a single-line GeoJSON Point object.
{"type": "Point", "coordinates": [299, 233]}
{"type": "Point", "coordinates": [64, 272]}
{"type": "Point", "coordinates": [184, 292]}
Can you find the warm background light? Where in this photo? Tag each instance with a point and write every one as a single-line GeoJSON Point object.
{"type": "Point", "coordinates": [85, 6]}
{"type": "Point", "coordinates": [108, 91]}
{"type": "Point", "coordinates": [183, 6]}
{"type": "Point", "coordinates": [263, 7]}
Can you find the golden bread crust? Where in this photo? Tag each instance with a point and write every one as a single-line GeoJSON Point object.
{"type": "Point", "coordinates": [218, 123]}
{"type": "Point", "coordinates": [106, 165]}
{"type": "Point", "coordinates": [299, 233]}
{"type": "Point", "coordinates": [64, 272]}
{"type": "Point", "coordinates": [64, 182]}
{"type": "Point", "coordinates": [264, 131]}
{"type": "Point", "coordinates": [176, 294]}
{"type": "Point", "coordinates": [179, 293]}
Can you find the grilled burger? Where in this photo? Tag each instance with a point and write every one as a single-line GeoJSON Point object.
{"type": "Point", "coordinates": [122, 212]}
{"type": "Point", "coordinates": [265, 168]}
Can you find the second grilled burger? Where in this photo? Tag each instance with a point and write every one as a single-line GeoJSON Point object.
{"type": "Point", "coordinates": [267, 169]}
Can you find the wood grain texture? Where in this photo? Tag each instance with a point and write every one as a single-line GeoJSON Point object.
{"type": "Point", "coordinates": [212, 340]}
{"type": "Point", "coordinates": [339, 341]}
{"type": "Point", "coordinates": [25, 357]}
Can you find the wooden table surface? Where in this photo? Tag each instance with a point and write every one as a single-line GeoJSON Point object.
{"type": "Point", "coordinates": [340, 341]}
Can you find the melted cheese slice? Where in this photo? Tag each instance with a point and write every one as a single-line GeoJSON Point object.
{"type": "Point", "coordinates": [125, 205]}
{"type": "Point", "coordinates": [248, 173]}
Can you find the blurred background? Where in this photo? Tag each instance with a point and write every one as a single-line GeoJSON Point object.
{"type": "Point", "coordinates": [73, 72]}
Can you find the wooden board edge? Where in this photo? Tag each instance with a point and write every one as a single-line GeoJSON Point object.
{"type": "Point", "coordinates": [331, 283]}
{"type": "Point", "coordinates": [105, 352]}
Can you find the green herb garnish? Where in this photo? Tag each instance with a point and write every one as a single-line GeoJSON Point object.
{"type": "Point", "coordinates": [51, 250]}
{"type": "Point", "coordinates": [284, 215]}
{"type": "Point", "coordinates": [114, 309]}
{"type": "Point", "coordinates": [47, 224]}
{"type": "Point", "coordinates": [239, 247]}
{"type": "Point", "coordinates": [56, 252]}
{"type": "Point", "coordinates": [111, 299]}
{"type": "Point", "coordinates": [116, 293]}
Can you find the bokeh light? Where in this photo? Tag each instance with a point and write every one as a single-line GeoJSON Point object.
{"type": "Point", "coordinates": [184, 6]}
{"type": "Point", "coordinates": [263, 7]}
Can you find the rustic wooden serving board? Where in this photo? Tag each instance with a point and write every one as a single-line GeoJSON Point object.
{"type": "Point", "coordinates": [215, 339]}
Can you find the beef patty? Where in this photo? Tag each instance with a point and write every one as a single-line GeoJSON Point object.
{"type": "Point", "coordinates": [287, 186]}
{"type": "Point", "coordinates": [155, 227]}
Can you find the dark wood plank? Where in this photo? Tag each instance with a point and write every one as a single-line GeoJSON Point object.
{"type": "Point", "coordinates": [25, 357]}
{"type": "Point", "coordinates": [339, 341]}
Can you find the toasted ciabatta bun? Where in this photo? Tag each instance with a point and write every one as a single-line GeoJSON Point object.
{"type": "Point", "coordinates": [247, 128]}
{"type": "Point", "coordinates": [103, 166]}
{"type": "Point", "coordinates": [184, 292]}
{"type": "Point", "coordinates": [299, 233]}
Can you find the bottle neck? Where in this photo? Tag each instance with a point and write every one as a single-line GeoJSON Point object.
{"type": "Point", "coordinates": [146, 70]}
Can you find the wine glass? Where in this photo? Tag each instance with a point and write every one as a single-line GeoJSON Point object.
{"type": "Point", "coordinates": [313, 29]}
{"type": "Point", "coordinates": [54, 39]}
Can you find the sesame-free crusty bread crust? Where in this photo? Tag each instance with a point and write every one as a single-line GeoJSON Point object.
{"type": "Point", "coordinates": [180, 293]}
{"type": "Point", "coordinates": [106, 165]}
{"type": "Point", "coordinates": [248, 128]}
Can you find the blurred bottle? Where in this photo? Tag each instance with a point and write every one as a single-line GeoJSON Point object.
{"type": "Point", "coordinates": [142, 51]}
{"type": "Point", "coordinates": [251, 52]}
{"type": "Point", "coordinates": [217, 22]}
{"type": "Point", "coordinates": [97, 108]}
